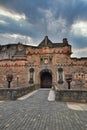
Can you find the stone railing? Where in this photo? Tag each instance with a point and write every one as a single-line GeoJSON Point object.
{"type": "Point", "coordinates": [71, 95]}
{"type": "Point", "coordinates": [14, 93]}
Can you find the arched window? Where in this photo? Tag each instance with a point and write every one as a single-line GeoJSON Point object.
{"type": "Point", "coordinates": [31, 75]}
{"type": "Point", "coordinates": [60, 74]}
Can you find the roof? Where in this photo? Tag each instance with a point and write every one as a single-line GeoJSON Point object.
{"type": "Point", "coordinates": [47, 43]}
{"type": "Point", "coordinates": [44, 43]}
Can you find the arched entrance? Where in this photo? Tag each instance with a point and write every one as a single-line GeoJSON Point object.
{"type": "Point", "coordinates": [46, 79]}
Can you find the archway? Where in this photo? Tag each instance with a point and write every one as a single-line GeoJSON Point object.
{"type": "Point", "coordinates": [46, 79]}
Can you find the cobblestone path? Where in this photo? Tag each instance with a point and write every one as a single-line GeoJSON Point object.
{"type": "Point", "coordinates": [37, 113]}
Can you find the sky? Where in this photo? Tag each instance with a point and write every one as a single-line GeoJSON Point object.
{"type": "Point", "coordinates": [29, 21]}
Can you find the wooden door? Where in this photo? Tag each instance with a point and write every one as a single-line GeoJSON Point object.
{"type": "Point", "coordinates": [46, 80]}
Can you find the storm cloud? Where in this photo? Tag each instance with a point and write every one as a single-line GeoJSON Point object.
{"type": "Point", "coordinates": [33, 19]}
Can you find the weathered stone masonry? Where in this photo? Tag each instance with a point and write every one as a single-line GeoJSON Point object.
{"type": "Point", "coordinates": [45, 64]}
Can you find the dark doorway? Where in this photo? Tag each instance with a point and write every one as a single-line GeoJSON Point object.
{"type": "Point", "coordinates": [46, 80]}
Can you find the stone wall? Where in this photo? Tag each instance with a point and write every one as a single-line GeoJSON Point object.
{"type": "Point", "coordinates": [71, 95]}
{"type": "Point", "coordinates": [21, 74]}
{"type": "Point", "coordinates": [14, 93]}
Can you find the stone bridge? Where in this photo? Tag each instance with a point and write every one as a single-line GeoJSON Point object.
{"type": "Point", "coordinates": [35, 112]}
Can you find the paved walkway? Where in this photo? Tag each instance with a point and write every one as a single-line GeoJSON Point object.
{"type": "Point", "coordinates": [37, 113]}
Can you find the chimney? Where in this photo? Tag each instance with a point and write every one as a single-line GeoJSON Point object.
{"type": "Point", "coordinates": [65, 40]}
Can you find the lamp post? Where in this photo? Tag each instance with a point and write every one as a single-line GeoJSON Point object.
{"type": "Point", "coordinates": [68, 78]}
{"type": "Point", "coordinates": [9, 79]}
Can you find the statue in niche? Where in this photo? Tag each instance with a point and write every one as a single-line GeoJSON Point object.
{"type": "Point", "coordinates": [60, 72]}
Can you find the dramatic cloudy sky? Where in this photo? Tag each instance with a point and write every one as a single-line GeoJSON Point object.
{"type": "Point", "coordinates": [28, 21]}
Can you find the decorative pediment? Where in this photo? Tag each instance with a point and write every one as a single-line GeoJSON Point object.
{"type": "Point", "coordinates": [46, 43]}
